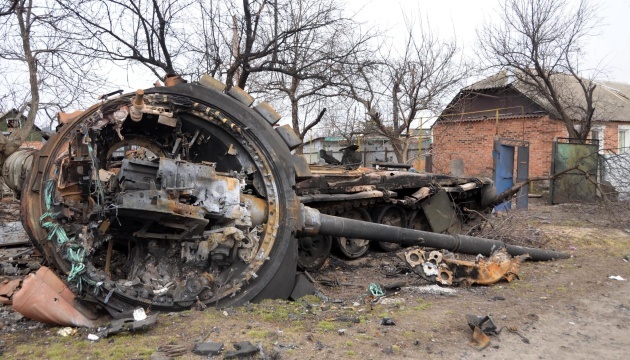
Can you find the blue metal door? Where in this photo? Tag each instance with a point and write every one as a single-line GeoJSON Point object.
{"type": "Point", "coordinates": [503, 170]}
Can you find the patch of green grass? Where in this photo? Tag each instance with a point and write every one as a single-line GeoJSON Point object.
{"type": "Point", "coordinates": [275, 310]}
{"type": "Point", "coordinates": [351, 353]}
{"type": "Point", "coordinates": [422, 305]}
{"type": "Point", "coordinates": [82, 344]}
{"type": "Point", "coordinates": [326, 325]}
{"type": "Point", "coordinates": [258, 334]}
{"type": "Point", "coordinates": [310, 299]}
{"type": "Point", "coordinates": [349, 343]}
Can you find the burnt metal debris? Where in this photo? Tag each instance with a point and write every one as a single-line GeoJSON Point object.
{"type": "Point", "coordinates": [445, 269]}
{"type": "Point", "coordinates": [188, 195]}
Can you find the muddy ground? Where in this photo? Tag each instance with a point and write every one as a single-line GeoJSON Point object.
{"type": "Point", "coordinates": [568, 309]}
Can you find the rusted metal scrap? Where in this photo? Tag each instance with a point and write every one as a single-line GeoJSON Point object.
{"type": "Point", "coordinates": [446, 270]}
{"type": "Point", "coordinates": [45, 298]}
{"type": "Point", "coordinates": [8, 289]}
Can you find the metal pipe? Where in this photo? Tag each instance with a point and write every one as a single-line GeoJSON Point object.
{"type": "Point", "coordinates": [137, 106]}
{"type": "Point", "coordinates": [16, 167]}
{"type": "Point", "coordinates": [316, 222]}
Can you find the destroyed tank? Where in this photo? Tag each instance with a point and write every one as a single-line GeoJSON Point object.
{"type": "Point", "coordinates": [391, 194]}
{"type": "Point", "coordinates": [188, 194]}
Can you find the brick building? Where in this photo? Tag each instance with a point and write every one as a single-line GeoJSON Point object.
{"type": "Point", "coordinates": [499, 106]}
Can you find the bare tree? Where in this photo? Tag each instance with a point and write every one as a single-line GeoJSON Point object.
{"type": "Point", "coordinates": [540, 43]}
{"type": "Point", "coordinates": [23, 18]}
{"type": "Point", "coordinates": [305, 70]}
{"type": "Point", "coordinates": [401, 89]}
{"type": "Point", "coordinates": [36, 53]}
{"type": "Point", "coordinates": [150, 33]}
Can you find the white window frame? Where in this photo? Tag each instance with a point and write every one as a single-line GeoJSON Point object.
{"type": "Point", "coordinates": [600, 130]}
{"type": "Point", "coordinates": [626, 130]}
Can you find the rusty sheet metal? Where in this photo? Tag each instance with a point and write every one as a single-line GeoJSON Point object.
{"type": "Point", "coordinates": [479, 340]}
{"type": "Point", "coordinates": [7, 289]}
{"type": "Point", "coordinates": [45, 298]}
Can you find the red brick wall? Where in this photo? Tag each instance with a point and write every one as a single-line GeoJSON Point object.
{"type": "Point", "coordinates": [611, 135]}
{"type": "Point", "coordinates": [473, 142]}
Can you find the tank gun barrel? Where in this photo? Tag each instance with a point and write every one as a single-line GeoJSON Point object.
{"type": "Point", "coordinates": [317, 223]}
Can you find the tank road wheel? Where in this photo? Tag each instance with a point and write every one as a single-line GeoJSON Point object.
{"type": "Point", "coordinates": [392, 215]}
{"type": "Point", "coordinates": [351, 247]}
{"type": "Point", "coordinates": [165, 199]}
{"type": "Point", "coordinates": [418, 221]}
{"type": "Point", "coordinates": [313, 251]}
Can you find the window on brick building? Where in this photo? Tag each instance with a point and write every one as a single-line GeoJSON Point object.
{"type": "Point", "coordinates": [597, 133]}
{"type": "Point", "coordinates": [624, 139]}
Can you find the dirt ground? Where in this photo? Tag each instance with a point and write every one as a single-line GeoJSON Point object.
{"type": "Point", "coordinates": [567, 309]}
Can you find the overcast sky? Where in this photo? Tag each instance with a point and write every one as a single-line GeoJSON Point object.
{"type": "Point", "coordinates": [461, 18]}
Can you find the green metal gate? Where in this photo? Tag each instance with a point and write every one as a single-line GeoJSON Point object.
{"type": "Point", "coordinates": [580, 183]}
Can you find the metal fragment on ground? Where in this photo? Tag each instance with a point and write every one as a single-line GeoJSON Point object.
{"type": "Point", "coordinates": [386, 321]}
{"type": "Point", "coordinates": [208, 348]}
{"type": "Point", "coordinates": [131, 325]}
{"type": "Point", "coordinates": [447, 270]}
{"type": "Point", "coordinates": [7, 289]}
{"type": "Point", "coordinates": [479, 339]}
{"type": "Point", "coordinates": [500, 266]}
{"type": "Point", "coordinates": [243, 349]}
{"type": "Point", "coordinates": [485, 323]}
{"type": "Point", "coordinates": [45, 298]}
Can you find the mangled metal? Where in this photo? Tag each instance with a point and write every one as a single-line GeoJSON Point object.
{"type": "Point", "coordinates": [180, 196]}
{"type": "Point", "coordinates": [45, 298]}
{"type": "Point", "coordinates": [447, 270]}
{"type": "Point", "coordinates": [131, 210]}
{"type": "Point", "coordinates": [8, 289]}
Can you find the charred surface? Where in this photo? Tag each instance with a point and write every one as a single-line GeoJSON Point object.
{"type": "Point", "coordinates": [165, 199]}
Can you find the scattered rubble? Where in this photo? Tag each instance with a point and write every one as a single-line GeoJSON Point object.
{"type": "Point", "coordinates": [445, 269]}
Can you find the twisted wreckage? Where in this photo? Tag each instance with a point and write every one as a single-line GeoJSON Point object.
{"type": "Point", "coordinates": [188, 194]}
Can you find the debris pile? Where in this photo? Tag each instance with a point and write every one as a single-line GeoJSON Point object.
{"type": "Point", "coordinates": [445, 269]}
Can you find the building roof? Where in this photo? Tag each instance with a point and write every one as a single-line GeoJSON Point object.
{"type": "Point", "coordinates": [611, 99]}
{"type": "Point", "coordinates": [473, 118]}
